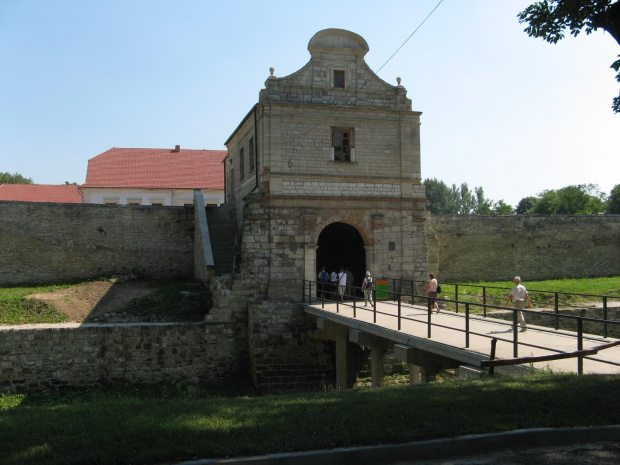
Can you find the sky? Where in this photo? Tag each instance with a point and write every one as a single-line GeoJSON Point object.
{"type": "Point", "coordinates": [500, 110]}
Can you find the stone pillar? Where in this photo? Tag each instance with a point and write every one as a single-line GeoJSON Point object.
{"type": "Point", "coordinates": [377, 368]}
{"type": "Point", "coordinates": [341, 364]}
{"type": "Point", "coordinates": [417, 375]}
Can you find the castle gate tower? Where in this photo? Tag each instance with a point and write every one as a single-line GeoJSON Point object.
{"type": "Point", "coordinates": [325, 171]}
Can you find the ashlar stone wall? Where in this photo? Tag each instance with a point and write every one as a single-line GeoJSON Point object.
{"type": "Point", "coordinates": [51, 356]}
{"type": "Point", "coordinates": [476, 248]}
{"type": "Point", "coordinates": [62, 242]}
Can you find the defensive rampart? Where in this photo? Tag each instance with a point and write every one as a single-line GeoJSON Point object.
{"type": "Point", "coordinates": [58, 242]}
{"type": "Point", "coordinates": [475, 248]}
{"type": "Point", "coordinates": [70, 355]}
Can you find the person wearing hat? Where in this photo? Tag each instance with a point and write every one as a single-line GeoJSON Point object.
{"type": "Point", "coordinates": [367, 287]}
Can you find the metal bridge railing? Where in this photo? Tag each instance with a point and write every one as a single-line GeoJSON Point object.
{"type": "Point", "coordinates": [320, 292]}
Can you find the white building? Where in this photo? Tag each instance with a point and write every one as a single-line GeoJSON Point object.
{"type": "Point", "coordinates": [129, 176]}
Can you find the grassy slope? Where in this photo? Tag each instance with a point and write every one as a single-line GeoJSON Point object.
{"type": "Point", "coordinates": [144, 427]}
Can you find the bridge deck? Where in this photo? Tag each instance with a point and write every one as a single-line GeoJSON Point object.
{"type": "Point", "coordinates": [448, 336]}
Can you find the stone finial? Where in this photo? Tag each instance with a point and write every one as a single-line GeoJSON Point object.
{"type": "Point", "coordinates": [398, 80]}
{"type": "Point", "coordinates": [271, 70]}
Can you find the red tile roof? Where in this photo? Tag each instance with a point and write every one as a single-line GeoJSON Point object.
{"type": "Point", "coordinates": [157, 168]}
{"type": "Point", "coordinates": [40, 193]}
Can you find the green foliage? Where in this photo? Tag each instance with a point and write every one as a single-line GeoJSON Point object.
{"type": "Point", "coordinates": [15, 178]}
{"type": "Point", "coordinates": [613, 201]}
{"type": "Point", "coordinates": [502, 208]}
{"type": "Point", "coordinates": [550, 18]}
{"type": "Point", "coordinates": [460, 200]}
{"type": "Point", "coordinates": [526, 204]}
{"type": "Point", "coordinates": [582, 199]}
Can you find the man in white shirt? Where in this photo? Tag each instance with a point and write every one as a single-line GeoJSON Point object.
{"type": "Point", "coordinates": [518, 295]}
{"type": "Point", "coordinates": [342, 284]}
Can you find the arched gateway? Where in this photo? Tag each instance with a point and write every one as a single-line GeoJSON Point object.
{"type": "Point", "coordinates": [341, 246]}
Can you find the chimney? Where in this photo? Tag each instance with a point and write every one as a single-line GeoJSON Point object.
{"type": "Point", "coordinates": [177, 148]}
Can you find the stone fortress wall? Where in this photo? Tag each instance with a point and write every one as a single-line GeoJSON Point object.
{"type": "Point", "coordinates": [42, 243]}
{"type": "Point", "coordinates": [480, 248]}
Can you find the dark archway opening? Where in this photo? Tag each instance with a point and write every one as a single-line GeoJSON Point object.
{"type": "Point", "coordinates": [341, 246]}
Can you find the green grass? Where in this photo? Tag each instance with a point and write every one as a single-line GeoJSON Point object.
{"type": "Point", "coordinates": [172, 300]}
{"type": "Point", "coordinates": [15, 309]}
{"type": "Point", "coordinates": [165, 424]}
{"type": "Point", "coordinates": [472, 292]}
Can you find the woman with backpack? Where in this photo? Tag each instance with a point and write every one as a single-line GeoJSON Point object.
{"type": "Point", "coordinates": [367, 287]}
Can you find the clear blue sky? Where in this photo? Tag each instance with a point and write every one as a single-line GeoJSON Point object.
{"type": "Point", "coordinates": [501, 110]}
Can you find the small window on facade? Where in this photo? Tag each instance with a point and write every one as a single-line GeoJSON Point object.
{"type": "Point", "coordinates": [341, 144]}
{"type": "Point", "coordinates": [241, 165]}
{"type": "Point", "coordinates": [339, 79]}
{"type": "Point", "coordinates": [251, 155]}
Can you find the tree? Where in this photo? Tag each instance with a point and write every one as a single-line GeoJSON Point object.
{"type": "Point", "coordinates": [582, 199]}
{"type": "Point", "coordinates": [613, 201]}
{"type": "Point", "coordinates": [16, 178]}
{"type": "Point", "coordinates": [526, 204]}
{"type": "Point", "coordinates": [550, 18]}
{"type": "Point", "coordinates": [502, 208]}
{"type": "Point", "coordinates": [460, 200]}
{"type": "Point", "coordinates": [483, 206]}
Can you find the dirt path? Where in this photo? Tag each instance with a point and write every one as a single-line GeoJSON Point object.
{"type": "Point", "coordinates": [95, 301]}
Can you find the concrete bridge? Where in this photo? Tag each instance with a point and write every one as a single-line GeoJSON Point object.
{"type": "Point", "coordinates": [429, 341]}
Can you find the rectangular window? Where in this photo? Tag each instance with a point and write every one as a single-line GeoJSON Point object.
{"type": "Point", "coordinates": [251, 155]}
{"type": "Point", "coordinates": [241, 165]}
{"type": "Point", "coordinates": [341, 144]}
{"type": "Point", "coordinates": [339, 79]}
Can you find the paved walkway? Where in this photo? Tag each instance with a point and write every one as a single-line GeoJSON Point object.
{"type": "Point", "coordinates": [448, 334]}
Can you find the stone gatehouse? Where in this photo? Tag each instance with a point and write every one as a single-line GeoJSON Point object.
{"type": "Point", "coordinates": [325, 171]}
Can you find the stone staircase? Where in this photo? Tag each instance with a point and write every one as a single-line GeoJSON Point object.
{"type": "Point", "coordinates": [222, 230]}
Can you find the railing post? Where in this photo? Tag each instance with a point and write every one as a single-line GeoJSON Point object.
{"type": "Point", "coordinates": [580, 346]}
{"type": "Point", "coordinates": [309, 292]}
{"type": "Point", "coordinates": [484, 301]}
{"type": "Point", "coordinates": [374, 311]}
{"type": "Point", "coordinates": [556, 310]}
{"type": "Point", "coordinates": [467, 324]}
{"type": "Point", "coordinates": [399, 296]}
{"type": "Point", "coordinates": [515, 343]}
{"type": "Point", "coordinates": [430, 312]}
{"type": "Point", "coordinates": [492, 356]}
{"type": "Point", "coordinates": [303, 291]}
{"type": "Point", "coordinates": [605, 316]}
{"type": "Point", "coordinates": [456, 296]}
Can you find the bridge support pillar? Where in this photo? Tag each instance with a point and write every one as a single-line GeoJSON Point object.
{"type": "Point", "coordinates": [377, 369]}
{"type": "Point", "coordinates": [378, 346]}
{"type": "Point", "coordinates": [417, 375]}
{"type": "Point", "coordinates": [329, 330]}
{"type": "Point", "coordinates": [341, 364]}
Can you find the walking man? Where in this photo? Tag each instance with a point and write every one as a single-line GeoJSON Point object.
{"type": "Point", "coordinates": [342, 284]}
{"type": "Point", "coordinates": [518, 295]}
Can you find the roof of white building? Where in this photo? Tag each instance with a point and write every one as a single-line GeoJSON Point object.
{"type": "Point", "coordinates": [157, 168]}
{"type": "Point", "coordinates": [40, 193]}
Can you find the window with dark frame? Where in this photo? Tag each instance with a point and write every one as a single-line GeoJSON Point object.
{"type": "Point", "coordinates": [251, 155]}
{"type": "Point", "coordinates": [339, 79]}
{"type": "Point", "coordinates": [241, 165]}
{"type": "Point", "coordinates": [341, 143]}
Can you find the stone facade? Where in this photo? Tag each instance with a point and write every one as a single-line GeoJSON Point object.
{"type": "Point", "coordinates": [42, 243]}
{"type": "Point", "coordinates": [478, 248]}
{"type": "Point", "coordinates": [291, 177]}
{"type": "Point", "coordinates": [69, 355]}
